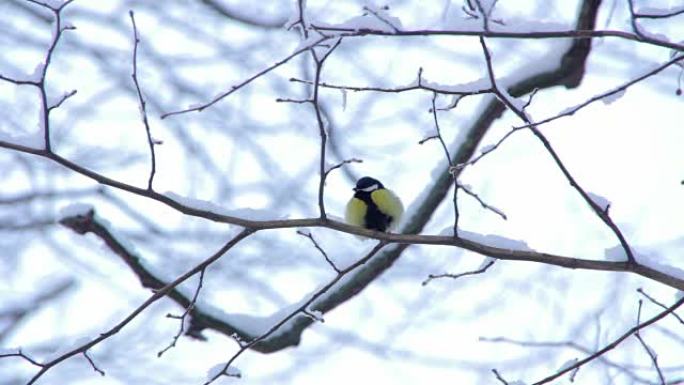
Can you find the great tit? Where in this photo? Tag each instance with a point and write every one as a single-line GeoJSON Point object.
{"type": "Point", "coordinates": [373, 206]}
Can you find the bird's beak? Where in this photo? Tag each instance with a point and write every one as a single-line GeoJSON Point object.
{"type": "Point", "coordinates": [355, 189]}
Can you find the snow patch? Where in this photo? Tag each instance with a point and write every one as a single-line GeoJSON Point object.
{"type": "Point", "coordinates": [652, 262]}
{"type": "Point", "coordinates": [659, 11]}
{"type": "Point", "coordinates": [376, 19]}
{"type": "Point", "coordinates": [336, 218]}
{"type": "Point", "coordinates": [492, 240]}
{"type": "Point", "coordinates": [453, 19]}
{"type": "Point", "coordinates": [315, 315]}
{"type": "Point", "coordinates": [526, 25]}
{"type": "Point", "coordinates": [294, 15]}
{"type": "Point", "coordinates": [75, 344]}
{"type": "Point", "coordinates": [307, 43]}
{"type": "Point", "coordinates": [32, 139]}
{"type": "Point", "coordinates": [382, 22]}
{"type": "Point", "coordinates": [253, 325]}
{"type": "Point", "coordinates": [487, 148]}
{"type": "Point", "coordinates": [214, 371]}
{"type": "Point", "coordinates": [37, 73]}
{"type": "Point", "coordinates": [612, 96]}
{"type": "Point", "coordinates": [74, 209]}
{"type": "Point", "coordinates": [615, 254]}
{"type": "Point", "coordinates": [473, 86]}
{"type": "Point", "coordinates": [567, 364]}
{"type": "Point", "coordinates": [600, 201]}
{"type": "Point", "coordinates": [518, 103]}
{"type": "Point", "coordinates": [485, 262]}
{"type": "Point", "coordinates": [242, 213]}
{"type": "Point", "coordinates": [54, 3]}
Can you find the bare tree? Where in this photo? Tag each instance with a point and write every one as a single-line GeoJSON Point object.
{"type": "Point", "coordinates": [211, 147]}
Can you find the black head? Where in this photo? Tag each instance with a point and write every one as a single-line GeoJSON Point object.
{"type": "Point", "coordinates": [368, 184]}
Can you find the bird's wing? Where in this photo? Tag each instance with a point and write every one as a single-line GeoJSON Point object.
{"type": "Point", "coordinates": [356, 212]}
{"type": "Point", "coordinates": [389, 204]}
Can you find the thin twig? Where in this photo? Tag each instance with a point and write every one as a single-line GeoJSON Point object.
{"type": "Point", "coordinates": [411, 87]}
{"type": "Point", "coordinates": [456, 276]}
{"type": "Point", "coordinates": [42, 69]}
{"type": "Point", "coordinates": [381, 18]}
{"type": "Point", "coordinates": [23, 356]}
{"type": "Point", "coordinates": [301, 21]}
{"type": "Point", "coordinates": [613, 344]}
{"type": "Point", "coordinates": [317, 246]}
{"type": "Point", "coordinates": [663, 15]}
{"type": "Point", "coordinates": [433, 110]}
{"type": "Point", "coordinates": [499, 377]}
{"type": "Point", "coordinates": [183, 317]}
{"type": "Point", "coordinates": [454, 103]}
{"type": "Point", "coordinates": [649, 351]}
{"type": "Point", "coordinates": [633, 20]}
{"type": "Point", "coordinates": [295, 101]}
{"type": "Point", "coordinates": [141, 102]}
{"type": "Point", "coordinates": [575, 346]}
{"type": "Point", "coordinates": [92, 364]}
{"type": "Point", "coordinates": [642, 292]}
{"type": "Point", "coordinates": [489, 150]}
{"type": "Point", "coordinates": [450, 161]}
{"type": "Point", "coordinates": [484, 14]}
{"type": "Point", "coordinates": [454, 169]}
{"type": "Point", "coordinates": [342, 163]}
{"type": "Point", "coordinates": [247, 81]}
{"type": "Point", "coordinates": [598, 210]}
{"type": "Point", "coordinates": [614, 91]}
{"type": "Point", "coordinates": [19, 82]}
{"type": "Point", "coordinates": [529, 100]}
{"type": "Point", "coordinates": [301, 309]}
{"type": "Point", "coordinates": [62, 100]}
{"type": "Point", "coordinates": [319, 61]}
{"type": "Point", "coordinates": [424, 140]}
{"type": "Point", "coordinates": [162, 292]}
{"type": "Point", "coordinates": [482, 202]}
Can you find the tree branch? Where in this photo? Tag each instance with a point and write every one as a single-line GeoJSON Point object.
{"type": "Point", "coordinates": [84, 223]}
{"type": "Point", "coordinates": [613, 344]}
{"type": "Point", "coordinates": [247, 81]}
{"type": "Point", "coordinates": [601, 212]}
{"type": "Point", "coordinates": [141, 102]}
{"type": "Point", "coordinates": [560, 34]}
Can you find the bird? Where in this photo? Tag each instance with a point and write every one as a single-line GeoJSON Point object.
{"type": "Point", "coordinates": [373, 206]}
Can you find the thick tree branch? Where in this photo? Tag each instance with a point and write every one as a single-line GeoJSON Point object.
{"type": "Point", "coordinates": [584, 34]}
{"type": "Point", "coordinates": [84, 223]}
{"type": "Point", "coordinates": [201, 319]}
{"type": "Point", "coordinates": [422, 215]}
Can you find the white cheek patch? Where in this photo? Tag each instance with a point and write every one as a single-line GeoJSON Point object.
{"type": "Point", "coordinates": [370, 188]}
